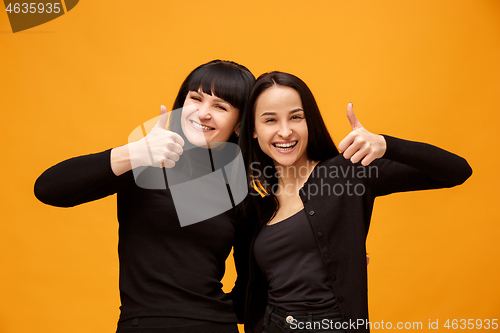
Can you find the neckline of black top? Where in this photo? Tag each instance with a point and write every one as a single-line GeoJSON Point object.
{"type": "Point", "coordinates": [288, 218]}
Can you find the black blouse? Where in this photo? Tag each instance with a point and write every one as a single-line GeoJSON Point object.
{"type": "Point", "coordinates": [338, 198]}
{"type": "Point", "coordinates": [288, 255]}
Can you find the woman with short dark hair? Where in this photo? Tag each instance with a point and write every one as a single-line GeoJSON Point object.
{"type": "Point", "coordinates": [170, 275]}
{"type": "Point", "coordinates": [308, 265]}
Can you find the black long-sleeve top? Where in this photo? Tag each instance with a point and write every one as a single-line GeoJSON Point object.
{"type": "Point", "coordinates": [165, 269]}
{"type": "Point", "coordinates": [338, 198]}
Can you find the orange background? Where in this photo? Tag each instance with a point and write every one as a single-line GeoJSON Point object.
{"type": "Point", "coordinates": [423, 70]}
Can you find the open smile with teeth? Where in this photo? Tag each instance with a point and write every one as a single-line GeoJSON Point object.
{"type": "Point", "coordinates": [285, 146]}
{"type": "Point", "coordinates": [202, 127]}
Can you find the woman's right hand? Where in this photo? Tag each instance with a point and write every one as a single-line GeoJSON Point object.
{"type": "Point", "coordinates": [159, 148]}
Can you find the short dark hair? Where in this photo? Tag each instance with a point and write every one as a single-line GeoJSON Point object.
{"type": "Point", "coordinates": [320, 144]}
{"type": "Point", "coordinates": [225, 79]}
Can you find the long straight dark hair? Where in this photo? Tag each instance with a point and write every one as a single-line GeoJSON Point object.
{"type": "Point", "coordinates": [320, 144]}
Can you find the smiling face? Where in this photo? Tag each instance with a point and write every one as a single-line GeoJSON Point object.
{"type": "Point", "coordinates": [207, 119]}
{"type": "Point", "coordinates": [280, 126]}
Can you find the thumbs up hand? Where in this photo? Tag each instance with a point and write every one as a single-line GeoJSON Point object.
{"type": "Point", "coordinates": [159, 148]}
{"type": "Point", "coordinates": [361, 145]}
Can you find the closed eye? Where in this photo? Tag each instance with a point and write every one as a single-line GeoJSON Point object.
{"type": "Point", "coordinates": [221, 107]}
{"type": "Point", "coordinates": [196, 98]}
{"type": "Point", "coordinates": [269, 120]}
{"type": "Point", "coordinates": [297, 117]}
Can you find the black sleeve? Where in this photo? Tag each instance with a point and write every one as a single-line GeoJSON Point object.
{"type": "Point", "coordinates": [410, 166]}
{"type": "Point", "coordinates": [79, 180]}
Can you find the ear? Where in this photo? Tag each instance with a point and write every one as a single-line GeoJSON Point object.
{"type": "Point", "coordinates": [237, 129]}
{"type": "Point", "coordinates": [254, 135]}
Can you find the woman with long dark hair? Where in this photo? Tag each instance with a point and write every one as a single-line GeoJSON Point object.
{"type": "Point", "coordinates": [170, 272]}
{"type": "Point", "coordinates": [308, 265]}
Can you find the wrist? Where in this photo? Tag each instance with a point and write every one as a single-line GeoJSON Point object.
{"type": "Point", "coordinates": [383, 145]}
{"type": "Point", "coordinates": [120, 160]}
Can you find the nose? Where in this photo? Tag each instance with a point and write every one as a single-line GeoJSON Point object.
{"type": "Point", "coordinates": [204, 111]}
{"type": "Point", "coordinates": [285, 131]}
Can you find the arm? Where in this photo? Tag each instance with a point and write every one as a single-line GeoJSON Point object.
{"type": "Point", "coordinates": [402, 165]}
{"type": "Point", "coordinates": [78, 180]}
{"type": "Point", "coordinates": [90, 177]}
{"type": "Point", "coordinates": [410, 166]}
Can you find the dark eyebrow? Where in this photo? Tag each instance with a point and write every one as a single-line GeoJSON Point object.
{"type": "Point", "coordinates": [271, 113]}
{"type": "Point", "coordinates": [218, 100]}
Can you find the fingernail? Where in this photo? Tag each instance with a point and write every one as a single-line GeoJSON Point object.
{"type": "Point", "coordinates": [350, 103]}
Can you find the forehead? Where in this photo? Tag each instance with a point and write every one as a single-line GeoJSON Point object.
{"type": "Point", "coordinates": [278, 99]}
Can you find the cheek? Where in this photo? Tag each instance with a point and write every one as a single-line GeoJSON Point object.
{"type": "Point", "coordinates": [264, 146]}
{"type": "Point", "coordinates": [233, 123]}
{"type": "Point", "coordinates": [229, 123]}
{"type": "Point", "coordinates": [257, 134]}
{"type": "Point", "coordinates": [257, 131]}
{"type": "Point", "coordinates": [235, 119]}
{"type": "Point", "coordinates": [263, 133]}
{"type": "Point", "coordinates": [184, 113]}
{"type": "Point", "coordinates": [187, 101]}
{"type": "Point", "coordinates": [183, 118]}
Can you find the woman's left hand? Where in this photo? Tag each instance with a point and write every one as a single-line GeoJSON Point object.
{"type": "Point", "coordinates": [361, 145]}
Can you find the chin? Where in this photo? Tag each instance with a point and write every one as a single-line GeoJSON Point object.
{"type": "Point", "coordinates": [196, 139]}
{"type": "Point", "coordinates": [285, 163]}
